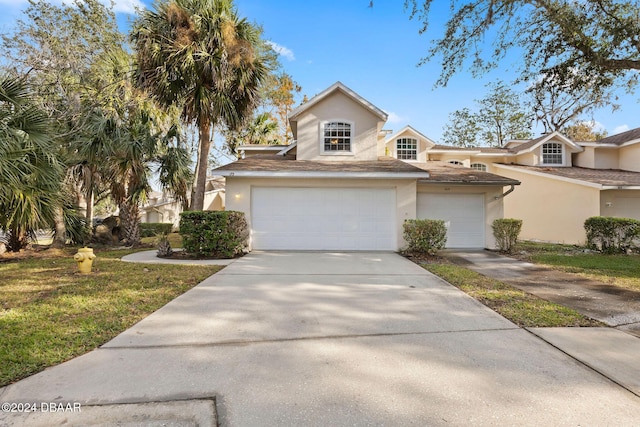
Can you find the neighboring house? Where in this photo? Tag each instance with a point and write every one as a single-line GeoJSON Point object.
{"type": "Point", "coordinates": [338, 186]}
{"type": "Point", "coordinates": [162, 208]}
{"type": "Point", "coordinates": [562, 182]}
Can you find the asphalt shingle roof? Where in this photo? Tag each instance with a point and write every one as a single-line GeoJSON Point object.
{"type": "Point", "coordinates": [449, 173]}
{"type": "Point", "coordinates": [606, 177]}
{"type": "Point", "coordinates": [621, 138]}
{"type": "Point", "coordinates": [276, 163]}
{"type": "Point", "coordinates": [439, 172]}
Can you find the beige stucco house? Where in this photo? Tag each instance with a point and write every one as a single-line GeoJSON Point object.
{"type": "Point", "coordinates": [562, 182]}
{"type": "Point", "coordinates": [161, 207]}
{"type": "Point", "coordinates": [343, 186]}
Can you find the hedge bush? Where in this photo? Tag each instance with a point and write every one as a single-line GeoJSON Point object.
{"type": "Point", "coordinates": [425, 236]}
{"type": "Point", "coordinates": [612, 235]}
{"type": "Point", "coordinates": [151, 229]}
{"type": "Point", "coordinates": [506, 232]}
{"type": "Point", "coordinates": [219, 234]}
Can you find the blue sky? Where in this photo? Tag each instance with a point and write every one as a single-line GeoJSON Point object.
{"type": "Point", "coordinates": [374, 51]}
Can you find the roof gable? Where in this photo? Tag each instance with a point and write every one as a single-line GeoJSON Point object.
{"type": "Point", "coordinates": [408, 130]}
{"type": "Point", "coordinates": [338, 86]}
{"type": "Point", "coordinates": [535, 143]}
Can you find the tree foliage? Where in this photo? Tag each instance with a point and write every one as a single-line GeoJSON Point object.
{"type": "Point", "coordinates": [462, 129]}
{"type": "Point", "coordinates": [56, 48]}
{"type": "Point", "coordinates": [111, 135]}
{"type": "Point", "coordinates": [583, 131]}
{"type": "Point", "coordinates": [577, 42]}
{"type": "Point", "coordinates": [261, 130]}
{"type": "Point", "coordinates": [556, 104]}
{"type": "Point", "coordinates": [280, 99]}
{"type": "Point", "coordinates": [502, 115]}
{"type": "Point", "coordinates": [201, 56]}
{"type": "Point", "coordinates": [30, 173]}
{"type": "Point", "coordinates": [499, 117]}
{"type": "Point", "coordinates": [142, 140]}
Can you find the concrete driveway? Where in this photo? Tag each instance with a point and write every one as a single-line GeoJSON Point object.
{"type": "Point", "coordinates": [316, 339]}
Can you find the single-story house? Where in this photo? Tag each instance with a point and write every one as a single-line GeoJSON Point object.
{"type": "Point", "coordinates": [563, 182]}
{"type": "Point", "coordinates": [339, 186]}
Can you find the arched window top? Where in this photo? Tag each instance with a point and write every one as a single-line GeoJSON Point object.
{"type": "Point", "coordinates": [337, 136]}
{"type": "Point", "coordinates": [479, 167]}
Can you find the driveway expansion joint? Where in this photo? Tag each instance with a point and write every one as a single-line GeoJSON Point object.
{"type": "Point", "coordinates": [583, 363]}
{"type": "Point", "coordinates": [310, 338]}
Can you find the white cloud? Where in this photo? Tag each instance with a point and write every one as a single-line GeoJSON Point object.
{"type": "Point", "coordinates": [282, 51]}
{"type": "Point", "coordinates": [620, 129]}
{"type": "Point", "coordinates": [125, 6]}
{"type": "Point", "coordinates": [394, 118]}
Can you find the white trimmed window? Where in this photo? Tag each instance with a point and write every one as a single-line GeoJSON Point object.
{"type": "Point", "coordinates": [407, 148]}
{"type": "Point", "coordinates": [337, 136]}
{"type": "Point", "coordinates": [479, 167]}
{"type": "Point", "coordinates": [456, 162]}
{"type": "Point", "coordinates": [552, 153]}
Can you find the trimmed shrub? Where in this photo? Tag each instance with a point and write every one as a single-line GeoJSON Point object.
{"type": "Point", "coordinates": [425, 235]}
{"type": "Point", "coordinates": [219, 234]}
{"type": "Point", "coordinates": [506, 232]}
{"type": "Point", "coordinates": [151, 229]}
{"type": "Point", "coordinates": [611, 235]}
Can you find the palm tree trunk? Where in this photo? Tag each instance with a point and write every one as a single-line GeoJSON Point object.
{"type": "Point", "coordinates": [17, 239]}
{"type": "Point", "coordinates": [89, 202]}
{"type": "Point", "coordinates": [60, 235]}
{"type": "Point", "coordinates": [130, 222]}
{"type": "Point", "coordinates": [197, 194]}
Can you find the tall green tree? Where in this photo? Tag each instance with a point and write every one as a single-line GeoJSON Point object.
{"type": "Point", "coordinates": [30, 173]}
{"type": "Point", "coordinates": [503, 116]}
{"type": "Point", "coordinates": [201, 56]}
{"type": "Point", "coordinates": [500, 116]}
{"type": "Point", "coordinates": [583, 131]}
{"type": "Point", "coordinates": [261, 130]}
{"type": "Point", "coordinates": [280, 99]}
{"type": "Point", "coordinates": [110, 134]}
{"type": "Point", "coordinates": [462, 129]}
{"type": "Point", "coordinates": [556, 104]}
{"type": "Point", "coordinates": [143, 141]}
{"type": "Point", "coordinates": [56, 47]}
{"type": "Point", "coordinates": [591, 39]}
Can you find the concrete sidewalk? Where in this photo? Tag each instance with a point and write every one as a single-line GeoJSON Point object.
{"type": "Point", "coordinates": [616, 307]}
{"type": "Point", "coordinates": [315, 339]}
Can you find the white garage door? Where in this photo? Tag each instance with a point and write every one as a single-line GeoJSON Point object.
{"type": "Point", "coordinates": [462, 213]}
{"type": "Point", "coordinates": [323, 218]}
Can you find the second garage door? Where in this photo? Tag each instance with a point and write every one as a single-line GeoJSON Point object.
{"type": "Point", "coordinates": [323, 218]}
{"type": "Point", "coordinates": [462, 213]}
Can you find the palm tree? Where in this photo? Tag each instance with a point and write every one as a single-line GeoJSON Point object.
{"type": "Point", "coordinates": [141, 135]}
{"type": "Point", "coordinates": [30, 174]}
{"type": "Point", "coordinates": [261, 130]}
{"type": "Point", "coordinates": [199, 55]}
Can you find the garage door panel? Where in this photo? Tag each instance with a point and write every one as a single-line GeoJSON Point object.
{"type": "Point", "coordinates": [323, 218]}
{"type": "Point", "coordinates": [463, 215]}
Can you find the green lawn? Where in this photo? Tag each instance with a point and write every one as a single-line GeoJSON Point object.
{"type": "Point", "coordinates": [618, 270]}
{"type": "Point", "coordinates": [174, 239]}
{"type": "Point", "coordinates": [49, 313]}
{"type": "Point", "coordinates": [521, 308]}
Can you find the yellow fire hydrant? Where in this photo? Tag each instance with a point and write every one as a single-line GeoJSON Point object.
{"type": "Point", "coordinates": [84, 257]}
